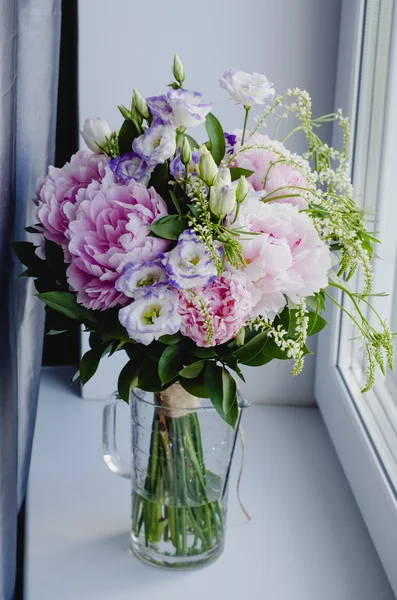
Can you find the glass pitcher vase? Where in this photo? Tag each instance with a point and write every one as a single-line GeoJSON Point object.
{"type": "Point", "coordinates": [181, 458]}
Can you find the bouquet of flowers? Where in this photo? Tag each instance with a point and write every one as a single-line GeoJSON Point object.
{"type": "Point", "coordinates": [195, 259]}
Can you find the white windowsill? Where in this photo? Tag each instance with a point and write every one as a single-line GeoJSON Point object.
{"type": "Point", "coordinates": [306, 540]}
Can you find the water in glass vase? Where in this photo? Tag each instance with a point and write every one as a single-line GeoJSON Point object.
{"type": "Point", "coordinates": [178, 505]}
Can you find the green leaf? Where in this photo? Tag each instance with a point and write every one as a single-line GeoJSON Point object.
{"type": "Point", "coordinates": [128, 378]}
{"type": "Point", "coordinates": [148, 378]}
{"type": "Point", "coordinates": [56, 261]}
{"type": "Point", "coordinates": [54, 332]}
{"type": "Point", "coordinates": [159, 179]}
{"type": "Point", "coordinates": [191, 371]}
{"type": "Point", "coordinates": [26, 253]}
{"type": "Point", "coordinates": [202, 352]}
{"type": "Point", "coordinates": [90, 361]}
{"type": "Point", "coordinates": [193, 144]}
{"type": "Point", "coordinates": [170, 340]}
{"type": "Point", "coordinates": [222, 392]}
{"type": "Point", "coordinates": [195, 386]}
{"type": "Point", "coordinates": [128, 132]}
{"type": "Point", "coordinates": [170, 363]}
{"type": "Point", "coordinates": [66, 304]}
{"type": "Point", "coordinates": [316, 323]}
{"type": "Point", "coordinates": [216, 137]}
{"type": "Point", "coordinates": [170, 227]}
{"type": "Point", "coordinates": [175, 202]}
{"type": "Point", "coordinates": [229, 404]}
{"type": "Point", "coordinates": [259, 360]}
{"type": "Point", "coordinates": [237, 172]}
{"type": "Point", "coordinates": [31, 229]}
{"type": "Point", "coordinates": [232, 363]}
{"type": "Point", "coordinates": [194, 210]}
{"type": "Point", "coordinates": [252, 348]}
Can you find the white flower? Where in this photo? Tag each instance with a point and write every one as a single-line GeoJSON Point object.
{"type": "Point", "coordinates": [222, 200]}
{"type": "Point", "coordinates": [248, 89]}
{"type": "Point", "coordinates": [224, 177]}
{"type": "Point", "coordinates": [96, 133]}
{"type": "Point", "coordinates": [206, 169]}
{"type": "Point", "coordinates": [137, 278]}
{"type": "Point", "coordinates": [187, 110]}
{"type": "Point", "coordinates": [189, 264]}
{"type": "Point", "coordinates": [157, 144]}
{"type": "Point", "coordinates": [151, 315]}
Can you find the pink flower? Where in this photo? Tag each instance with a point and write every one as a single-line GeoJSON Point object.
{"type": "Point", "coordinates": [271, 178]}
{"type": "Point", "coordinates": [110, 230]}
{"type": "Point", "coordinates": [288, 259]}
{"type": "Point", "coordinates": [60, 192]}
{"type": "Point", "coordinates": [229, 304]}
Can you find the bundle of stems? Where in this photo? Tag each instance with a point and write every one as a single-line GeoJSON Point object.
{"type": "Point", "coordinates": [176, 505]}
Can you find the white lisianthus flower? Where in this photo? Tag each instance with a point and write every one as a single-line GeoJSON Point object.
{"type": "Point", "coordinates": [96, 133]}
{"type": "Point", "coordinates": [189, 264]}
{"type": "Point", "coordinates": [138, 277]}
{"type": "Point", "coordinates": [157, 144]}
{"type": "Point", "coordinates": [187, 108]}
{"type": "Point", "coordinates": [154, 313]}
{"type": "Point", "coordinates": [248, 89]}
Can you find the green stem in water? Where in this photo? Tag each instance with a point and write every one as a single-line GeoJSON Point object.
{"type": "Point", "coordinates": [247, 109]}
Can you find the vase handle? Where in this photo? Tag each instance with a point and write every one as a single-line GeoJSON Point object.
{"type": "Point", "coordinates": [109, 448]}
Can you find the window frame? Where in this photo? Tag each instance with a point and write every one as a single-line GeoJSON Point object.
{"type": "Point", "coordinates": [359, 441]}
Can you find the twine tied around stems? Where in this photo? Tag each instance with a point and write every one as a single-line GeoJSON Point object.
{"type": "Point", "coordinates": [240, 474]}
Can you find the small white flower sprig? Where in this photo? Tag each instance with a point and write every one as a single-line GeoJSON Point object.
{"type": "Point", "coordinates": [341, 223]}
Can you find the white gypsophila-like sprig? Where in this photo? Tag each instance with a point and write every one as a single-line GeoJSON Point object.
{"type": "Point", "coordinates": [202, 306]}
{"type": "Point", "coordinates": [293, 347]}
{"type": "Point", "coordinates": [210, 232]}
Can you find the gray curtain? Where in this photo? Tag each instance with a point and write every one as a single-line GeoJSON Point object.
{"type": "Point", "coordinates": [29, 59]}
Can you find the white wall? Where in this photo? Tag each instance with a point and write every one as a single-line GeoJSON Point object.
{"type": "Point", "coordinates": [125, 44]}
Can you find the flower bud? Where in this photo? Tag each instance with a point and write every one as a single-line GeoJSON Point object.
{"type": "Point", "coordinates": [207, 169]}
{"type": "Point", "coordinates": [242, 189]}
{"type": "Point", "coordinates": [136, 116]}
{"type": "Point", "coordinates": [96, 134]}
{"type": "Point", "coordinates": [178, 70]}
{"type": "Point", "coordinates": [222, 200]}
{"type": "Point", "coordinates": [141, 104]}
{"type": "Point", "coordinates": [240, 336]}
{"type": "Point", "coordinates": [186, 152]}
{"type": "Point", "coordinates": [224, 177]}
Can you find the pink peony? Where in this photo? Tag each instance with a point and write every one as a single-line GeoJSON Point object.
{"type": "Point", "coordinates": [60, 192]}
{"type": "Point", "coordinates": [288, 259]}
{"type": "Point", "coordinates": [229, 304]}
{"type": "Point", "coordinates": [272, 179]}
{"type": "Point", "coordinates": [110, 230]}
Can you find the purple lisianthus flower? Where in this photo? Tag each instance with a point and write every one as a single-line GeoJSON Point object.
{"type": "Point", "coordinates": [160, 108]}
{"type": "Point", "coordinates": [131, 166]}
{"type": "Point", "coordinates": [177, 168]}
{"type": "Point", "coordinates": [187, 110]}
{"type": "Point", "coordinates": [151, 315]}
{"type": "Point", "coordinates": [137, 278]}
{"type": "Point", "coordinates": [231, 141]}
{"type": "Point", "coordinates": [189, 264]}
{"type": "Point", "coordinates": [157, 144]}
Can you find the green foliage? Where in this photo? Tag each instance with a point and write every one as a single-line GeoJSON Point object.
{"type": "Point", "coordinates": [170, 227]}
{"type": "Point", "coordinates": [128, 379]}
{"type": "Point", "coordinates": [216, 137]}
{"type": "Point", "coordinates": [90, 361]}
{"type": "Point", "coordinates": [128, 132]}
{"type": "Point", "coordinates": [171, 362]}
{"type": "Point", "coordinates": [222, 392]}
{"type": "Point", "coordinates": [237, 172]}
